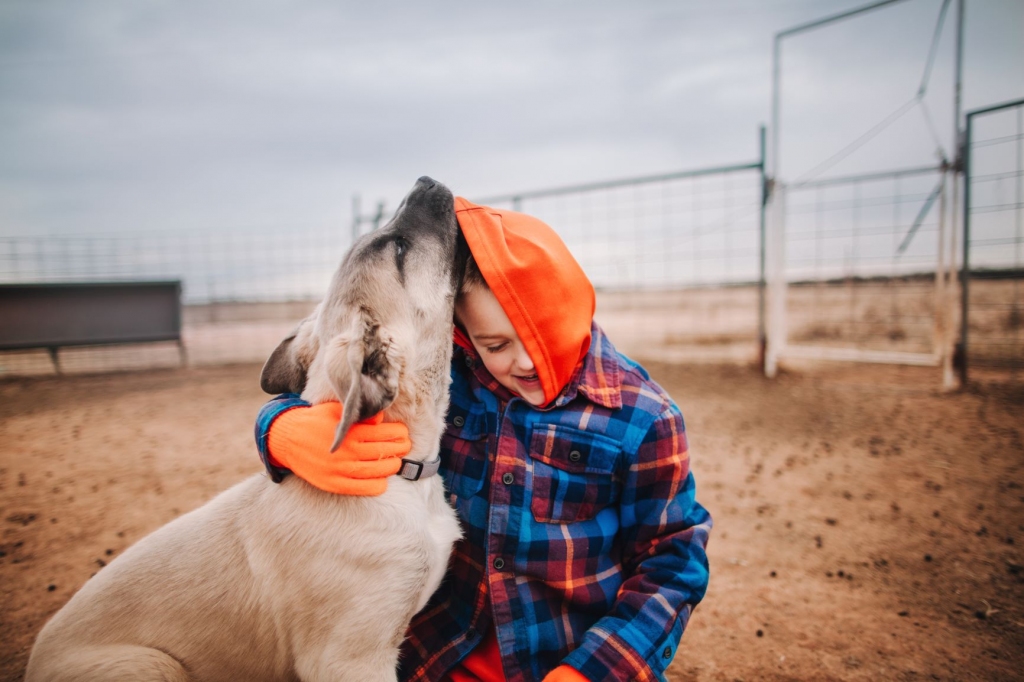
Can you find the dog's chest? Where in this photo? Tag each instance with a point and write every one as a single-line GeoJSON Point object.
{"type": "Point", "coordinates": [438, 528]}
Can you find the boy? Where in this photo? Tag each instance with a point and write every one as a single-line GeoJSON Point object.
{"type": "Point", "coordinates": [583, 554]}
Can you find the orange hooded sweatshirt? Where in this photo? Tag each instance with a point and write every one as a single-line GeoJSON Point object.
{"type": "Point", "coordinates": [538, 283]}
{"type": "Point", "coordinates": [550, 302]}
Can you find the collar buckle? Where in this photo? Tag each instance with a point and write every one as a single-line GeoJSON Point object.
{"type": "Point", "coordinates": [413, 471]}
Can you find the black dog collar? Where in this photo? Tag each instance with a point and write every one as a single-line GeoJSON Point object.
{"type": "Point", "coordinates": [413, 471]}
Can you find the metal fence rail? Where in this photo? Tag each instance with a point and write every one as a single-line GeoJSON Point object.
{"type": "Point", "coordinates": [992, 312]}
{"type": "Point", "coordinates": [215, 266]}
{"type": "Point", "coordinates": [242, 291]}
{"type": "Point", "coordinates": [676, 259]}
{"type": "Point", "coordinates": [692, 228]}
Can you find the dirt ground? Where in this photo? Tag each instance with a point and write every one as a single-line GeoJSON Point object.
{"type": "Point", "coordinates": [867, 527]}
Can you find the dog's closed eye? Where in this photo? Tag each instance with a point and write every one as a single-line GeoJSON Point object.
{"type": "Point", "coordinates": [401, 247]}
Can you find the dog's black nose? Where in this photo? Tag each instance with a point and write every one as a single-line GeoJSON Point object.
{"type": "Point", "coordinates": [426, 181]}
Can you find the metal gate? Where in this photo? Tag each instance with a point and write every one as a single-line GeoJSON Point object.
{"type": "Point", "coordinates": [992, 311]}
{"type": "Point", "coordinates": [861, 270]}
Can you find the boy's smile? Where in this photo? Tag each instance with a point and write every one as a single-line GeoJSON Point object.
{"type": "Point", "coordinates": [498, 344]}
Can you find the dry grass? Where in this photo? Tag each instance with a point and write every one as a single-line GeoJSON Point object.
{"type": "Point", "coordinates": [696, 325]}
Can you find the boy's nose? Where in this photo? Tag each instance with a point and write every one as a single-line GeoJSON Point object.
{"type": "Point", "coordinates": [524, 361]}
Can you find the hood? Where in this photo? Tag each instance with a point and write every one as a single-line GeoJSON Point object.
{"type": "Point", "coordinates": [538, 283]}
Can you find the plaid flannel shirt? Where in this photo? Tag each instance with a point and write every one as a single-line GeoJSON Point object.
{"type": "Point", "coordinates": [584, 543]}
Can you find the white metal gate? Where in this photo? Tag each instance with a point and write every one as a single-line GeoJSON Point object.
{"type": "Point", "coordinates": [861, 269]}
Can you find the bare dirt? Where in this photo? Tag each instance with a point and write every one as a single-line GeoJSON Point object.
{"type": "Point", "coordinates": [867, 527]}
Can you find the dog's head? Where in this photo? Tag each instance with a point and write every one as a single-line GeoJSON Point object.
{"type": "Point", "coordinates": [381, 338]}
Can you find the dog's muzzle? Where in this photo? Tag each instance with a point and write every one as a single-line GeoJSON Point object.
{"type": "Point", "coordinates": [414, 471]}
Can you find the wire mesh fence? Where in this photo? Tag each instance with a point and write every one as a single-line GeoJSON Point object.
{"type": "Point", "coordinates": [242, 291]}
{"type": "Point", "coordinates": [861, 257]}
{"type": "Point", "coordinates": [992, 330]}
{"type": "Point", "coordinates": [675, 259]}
{"type": "Point", "coordinates": [215, 266]}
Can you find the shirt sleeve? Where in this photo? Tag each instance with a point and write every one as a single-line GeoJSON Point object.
{"type": "Point", "coordinates": [267, 414]}
{"type": "Point", "coordinates": [664, 532]}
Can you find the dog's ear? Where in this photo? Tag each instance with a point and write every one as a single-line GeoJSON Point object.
{"type": "Point", "coordinates": [363, 366]}
{"type": "Point", "coordinates": [285, 369]}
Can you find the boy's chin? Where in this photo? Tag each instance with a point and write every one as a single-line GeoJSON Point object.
{"type": "Point", "coordinates": [533, 396]}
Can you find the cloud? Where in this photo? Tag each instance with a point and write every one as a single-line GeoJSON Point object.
{"type": "Point", "coordinates": [118, 116]}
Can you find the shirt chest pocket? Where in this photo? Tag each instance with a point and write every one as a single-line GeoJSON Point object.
{"type": "Point", "coordinates": [464, 447]}
{"type": "Point", "coordinates": [575, 474]}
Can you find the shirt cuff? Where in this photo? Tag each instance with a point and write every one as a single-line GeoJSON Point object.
{"type": "Point", "coordinates": [607, 656]}
{"type": "Point", "coordinates": [268, 413]}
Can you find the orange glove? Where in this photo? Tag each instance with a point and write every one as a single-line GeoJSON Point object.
{"type": "Point", "coordinates": [300, 439]}
{"type": "Point", "coordinates": [565, 673]}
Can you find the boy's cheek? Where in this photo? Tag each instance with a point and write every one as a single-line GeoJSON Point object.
{"type": "Point", "coordinates": [494, 365]}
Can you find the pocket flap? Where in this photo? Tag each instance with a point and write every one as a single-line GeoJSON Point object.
{"type": "Point", "coordinates": [573, 450]}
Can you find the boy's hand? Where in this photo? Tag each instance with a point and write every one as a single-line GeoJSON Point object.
{"type": "Point", "coordinates": [300, 439]}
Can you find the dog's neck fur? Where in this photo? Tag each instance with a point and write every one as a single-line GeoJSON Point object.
{"type": "Point", "coordinates": [423, 400]}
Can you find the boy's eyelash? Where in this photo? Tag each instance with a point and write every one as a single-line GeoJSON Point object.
{"type": "Point", "coordinates": [497, 348]}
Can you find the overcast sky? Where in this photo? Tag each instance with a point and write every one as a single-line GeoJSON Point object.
{"type": "Point", "coordinates": [140, 115]}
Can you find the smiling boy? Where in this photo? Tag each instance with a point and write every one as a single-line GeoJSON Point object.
{"type": "Point", "coordinates": [583, 554]}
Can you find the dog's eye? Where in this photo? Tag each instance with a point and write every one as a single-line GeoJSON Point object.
{"type": "Point", "coordinates": [401, 245]}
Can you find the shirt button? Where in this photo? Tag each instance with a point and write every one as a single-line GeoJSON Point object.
{"type": "Point", "coordinates": [508, 479]}
{"type": "Point", "coordinates": [469, 362]}
{"type": "Point", "coordinates": [458, 421]}
{"type": "Point", "coordinates": [499, 564]}
{"type": "Point", "coordinates": [574, 456]}
{"type": "Point", "coordinates": [667, 653]}
{"type": "Point", "coordinates": [471, 633]}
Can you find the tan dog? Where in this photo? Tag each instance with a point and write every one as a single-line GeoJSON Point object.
{"type": "Point", "coordinates": [286, 582]}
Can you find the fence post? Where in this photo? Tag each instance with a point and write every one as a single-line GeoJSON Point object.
{"type": "Point", "coordinates": [776, 340]}
{"type": "Point", "coordinates": [943, 283]}
{"type": "Point", "coordinates": [379, 216]}
{"type": "Point", "coordinates": [357, 217]}
{"type": "Point", "coordinates": [762, 339]}
{"type": "Point", "coordinates": [965, 272]}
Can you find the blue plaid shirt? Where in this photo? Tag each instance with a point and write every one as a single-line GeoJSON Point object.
{"type": "Point", "coordinates": [584, 543]}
